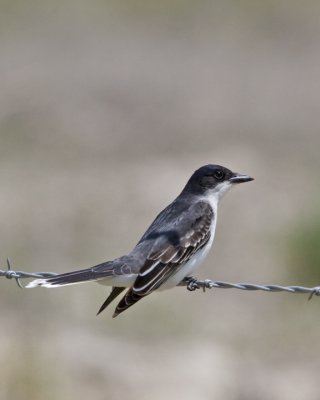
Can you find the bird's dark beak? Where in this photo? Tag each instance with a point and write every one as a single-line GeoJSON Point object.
{"type": "Point", "coordinates": [238, 178]}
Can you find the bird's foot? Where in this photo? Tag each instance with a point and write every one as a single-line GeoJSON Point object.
{"type": "Point", "coordinates": [192, 283]}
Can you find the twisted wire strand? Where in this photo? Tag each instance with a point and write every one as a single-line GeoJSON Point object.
{"type": "Point", "coordinates": [190, 282]}
{"type": "Point", "coordinates": [193, 284]}
{"type": "Point", "coordinates": [9, 273]}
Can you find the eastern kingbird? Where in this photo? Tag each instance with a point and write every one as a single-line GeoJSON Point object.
{"type": "Point", "coordinates": [171, 249]}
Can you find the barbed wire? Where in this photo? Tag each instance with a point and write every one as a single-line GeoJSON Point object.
{"type": "Point", "coordinates": [194, 284]}
{"type": "Point", "coordinates": [9, 273]}
{"type": "Point", "coordinates": [190, 282]}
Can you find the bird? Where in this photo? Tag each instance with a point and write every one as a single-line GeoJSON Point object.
{"type": "Point", "coordinates": [171, 249]}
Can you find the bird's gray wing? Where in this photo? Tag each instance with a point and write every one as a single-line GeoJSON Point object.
{"type": "Point", "coordinates": [114, 293]}
{"type": "Point", "coordinates": [172, 248]}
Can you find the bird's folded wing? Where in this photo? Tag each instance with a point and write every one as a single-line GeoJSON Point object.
{"type": "Point", "coordinates": [171, 250]}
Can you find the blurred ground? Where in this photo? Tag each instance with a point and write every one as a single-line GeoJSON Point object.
{"type": "Point", "coordinates": [106, 108]}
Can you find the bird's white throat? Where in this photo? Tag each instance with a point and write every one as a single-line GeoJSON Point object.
{"type": "Point", "coordinates": [213, 196]}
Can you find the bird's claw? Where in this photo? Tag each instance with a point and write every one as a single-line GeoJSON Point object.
{"type": "Point", "coordinates": [192, 283]}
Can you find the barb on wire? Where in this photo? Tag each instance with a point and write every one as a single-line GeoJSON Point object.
{"type": "Point", "coordinates": [193, 284]}
{"type": "Point", "coordinates": [9, 273]}
{"type": "Point", "coordinates": [190, 282]}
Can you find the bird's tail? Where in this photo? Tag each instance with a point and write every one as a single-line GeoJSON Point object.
{"type": "Point", "coordinates": [71, 278]}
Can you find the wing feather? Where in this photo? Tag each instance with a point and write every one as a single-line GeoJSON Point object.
{"type": "Point", "coordinates": [171, 250]}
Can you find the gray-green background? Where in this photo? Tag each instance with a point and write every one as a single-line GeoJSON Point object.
{"type": "Point", "coordinates": [106, 108]}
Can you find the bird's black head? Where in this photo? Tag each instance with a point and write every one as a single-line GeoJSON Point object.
{"type": "Point", "coordinates": [214, 179]}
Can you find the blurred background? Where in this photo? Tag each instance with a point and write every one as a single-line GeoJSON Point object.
{"type": "Point", "coordinates": [106, 108]}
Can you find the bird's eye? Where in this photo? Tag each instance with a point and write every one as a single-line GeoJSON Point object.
{"type": "Point", "coordinates": [219, 174]}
